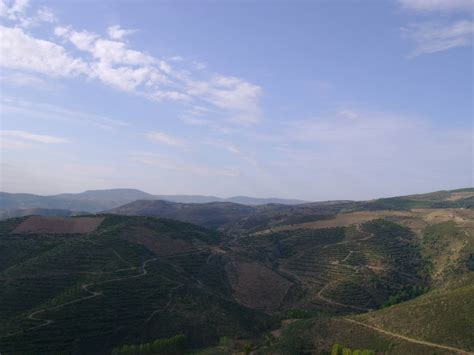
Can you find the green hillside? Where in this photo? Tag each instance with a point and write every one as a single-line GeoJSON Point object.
{"type": "Point", "coordinates": [115, 286]}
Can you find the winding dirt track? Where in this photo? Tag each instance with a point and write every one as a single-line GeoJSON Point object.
{"type": "Point", "coordinates": [85, 287]}
{"type": "Point", "coordinates": [411, 340]}
{"type": "Point", "coordinates": [320, 293]}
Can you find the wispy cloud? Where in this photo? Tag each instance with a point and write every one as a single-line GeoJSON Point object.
{"type": "Point", "coordinates": [33, 137]}
{"type": "Point", "coordinates": [167, 163]}
{"type": "Point", "coordinates": [454, 30]}
{"type": "Point", "coordinates": [53, 112]}
{"type": "Point", "coordinates": [230, 147]}
{"type": "Point", "coordinates": [437, 5]}
{"type": "Point", "coordinates": [27, 80]}
{"type": "Point", "coordinates": [235, 150]}
{"type": "Point", "coordinates": [376, 150]}
{"type": "Point", "coordinates": [164, 138]}
{"type": "Point", "coordinates": [432, 37]}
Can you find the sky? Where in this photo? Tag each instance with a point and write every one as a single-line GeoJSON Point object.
{"type": "Point", "coordinates": [317, 100]}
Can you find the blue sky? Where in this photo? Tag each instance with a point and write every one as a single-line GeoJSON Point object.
{"type": "Point", "coordinates": [314, 100]}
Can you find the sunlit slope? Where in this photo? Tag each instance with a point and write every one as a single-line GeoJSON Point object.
{"type": "Point", "coordinates": [444, 316]}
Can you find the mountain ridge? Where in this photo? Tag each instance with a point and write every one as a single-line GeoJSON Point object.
{"type": "Point", "coordinates": [100, 200]}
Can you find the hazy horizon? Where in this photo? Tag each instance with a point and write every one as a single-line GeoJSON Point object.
{"type": "Point", "coordinates": [288, 100]}
{"type": "Point", "coordinates": [232, 196]}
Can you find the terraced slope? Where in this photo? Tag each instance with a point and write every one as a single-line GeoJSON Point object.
{"type": "Point", "coordinates": [91, 292]}
{"type": "Point", "coordinates": [348, 269]}
{"type": "Point", "coordinates": [237, 218]}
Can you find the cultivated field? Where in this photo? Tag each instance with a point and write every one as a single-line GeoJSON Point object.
{"type": "Point", "coordinates": [58, 225]}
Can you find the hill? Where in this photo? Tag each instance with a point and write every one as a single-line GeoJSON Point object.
{"type": "Point", "coordinates": [233, 217]}
{"type": "Point", "coordinates": [22, 212]}
{"type": "Point", "coordinates": [100, 200]}
{"type": "Point", "coordinates": [333, 272]}
{"type": "Point", "coordinates": [89, 201]}
{"type": "Point", "coordinates": [211, 215]}
{"type": "Point", "coordinates": [439, 322]}
{"type": "Point", "coordinates": [127, 280]}
{"type": "Point", "coordinates": [243, 200]}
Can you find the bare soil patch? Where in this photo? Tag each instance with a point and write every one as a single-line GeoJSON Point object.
{"type": "Point", "coordinates": [459, 195]}
{"type": "Point", "coordinates": [257, 286]}
{"type": "Point", "coordinates": [58, 225]}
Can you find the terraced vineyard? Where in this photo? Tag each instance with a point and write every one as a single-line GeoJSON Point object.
{"type": "Point", "coordinates": [352, 268]}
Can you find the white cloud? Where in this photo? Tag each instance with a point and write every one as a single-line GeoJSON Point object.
{"type": "Point", "coordinates": [28, 136]}
{"type": "Point", "coordinates": [113, 52]}
{"type": "Point", "coordinates": [15, 11]}
{"type": "Point", "coordinates": [46, 15]}
{"type": "Point", "coordinates": [82, 40]}
{"type": "Point", "coordinates": [113, 62]}
{"type": "Point", "coordinates": [118, 33]}
{"type": "Point", "coordinates": [164, 138]}
{"type": "Point", "coordinates": [238, 97]}
{"type": "Point", "coordinates": [18, 50]}
{"type": "Point", "coordinates": [437, 5]}
{"type": "Point", "coordinates": [61, 30]}
{"type": "Point", "coordinates": [432, 37]}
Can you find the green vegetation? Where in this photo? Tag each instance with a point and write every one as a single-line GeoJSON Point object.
{"type": "Point", "coordinates": [448, 250]}
{"type": "Point", "coordinates": [171, 346]}
{"type": "Point", "coordinates": [335, 261]}
{"type": "Point", "coordinates": [338, 349]}
{"type": "Point", "coordinates": [442, 316]}
{"type": "Point", "coordinates": [406, 293]}
{"type": "Point", "coordinates": [131, 294]}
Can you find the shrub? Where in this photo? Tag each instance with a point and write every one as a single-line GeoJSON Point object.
{"type": "Point", "coordinates": [336, 349]}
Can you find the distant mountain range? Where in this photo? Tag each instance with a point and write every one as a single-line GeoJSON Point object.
{"type": "Point", "coordinates": [100, 200]}
{"type": "Point", "coordinates": [211, 211]}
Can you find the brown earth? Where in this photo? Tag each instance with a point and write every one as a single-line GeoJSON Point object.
{"type": "Point", "coordinates": [160, 244]}
{"type": "Point", "coordinates": [257, 286]}
{"type": "Point", "coordinates": [459, 195]}
{"type": "Point", "coordinates": [58, 225]}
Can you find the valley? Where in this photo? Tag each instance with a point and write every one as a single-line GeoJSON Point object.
{"type": "Point", "coordinates": [391, 275]}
